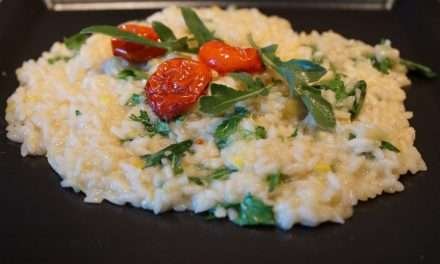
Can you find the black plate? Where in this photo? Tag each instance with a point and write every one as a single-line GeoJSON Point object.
{"type": "Point", "coordinates": [43, 223]}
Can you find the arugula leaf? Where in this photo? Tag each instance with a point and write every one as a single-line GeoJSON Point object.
{"type": "Point", "coordinates": [260, 132]}
{"type": "Point", "coordinates": [132, 73]}
{"type": "Point", "coordinates": [58, 58]}
{"type": "Point", "coordinates": [359, 100]}
{"type": "Point", "coordinates": [320, 109]}
{"type": "Point", "coordinates": [162, 128]}
{"type": "Point", "coordinates": [121, 34]}
{"type": "Point", "coordinates": [423, 70]}
{"type": "Point", "coordinates": [173, 153]}
{"type": "Point", "coordinates": [294, 72]}
{"type": "Point", "coordinates": [170, 45]}
{"type": "Point", "coordinates": [134, 99]}
{"type": "Point", "coordinates": [275, 179]}
{"type": "Point", "coordinates": [223, 97]}
{"type": "Point", "coordinates": [254, 212]}
{"type": "Point", "coordinates": [307, 70]}
{"type": "Point", "coordinates": [229, 126]}
{"type": "Point", "coordinates": [75, 42]}
{"type": "Point", "coordinates": [158, 127]}
{"type": "Point", "coordinates": [164, 32]}
{"type": "Point", "coordinates": [384, 65]}
{"type": "Point", "coordinates": [297, 73]}
{"type": "Point", "coordinates": [387, 145]}
{"type": "Point", "coordinates": [195, 25]}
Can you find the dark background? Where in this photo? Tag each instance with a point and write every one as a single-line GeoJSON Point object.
{"type": "Point", "coordinates": [42, 223]}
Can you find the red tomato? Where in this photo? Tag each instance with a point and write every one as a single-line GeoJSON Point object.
{"type": "Point", "coordinates": [225, 58]}
{"type": "Point", "coordinates": [134, 52]}
{"type": "Point", "coordinates": [176, 85]}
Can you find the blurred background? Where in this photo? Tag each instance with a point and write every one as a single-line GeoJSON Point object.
{"type": "Point", "coordinates": [61, 5]}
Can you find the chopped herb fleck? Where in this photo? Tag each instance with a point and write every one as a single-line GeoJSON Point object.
{"type": "Point", "coordinates": [361, 86]}
{"type": "Point", "coordinates": [295, 133]}
{"type": "Point", "coordinates": [351, 136]}
{"type": "Point", "coordinates": [58, 58]}
{"type": "Point", "coordinates": [388, 146]}
{"type": "Point", "coordinates": [368, 155]}
{"type": "Point", "coordinates": [77, 112]}
{"type": "Point", "coordinates": [220, 174]}
{"type": "Point", "coordinates": [383, 65]}
{"type": "Point", "coordinates": [274, 180]}
{"type": "Point", "coordinates": [157, 127]}
{"type": "Point", "coordinates": [132, 73]}
{"type": "Point", "coordinates": [260, 132]}
{"type": "Point", "coordinates": [134, 99]}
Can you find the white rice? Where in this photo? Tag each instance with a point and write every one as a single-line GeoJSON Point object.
{"type": "Point", "coordinates": [327, 176]}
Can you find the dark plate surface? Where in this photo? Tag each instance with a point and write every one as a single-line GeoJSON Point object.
{"type": "Point", "coordinates": [42, 223]}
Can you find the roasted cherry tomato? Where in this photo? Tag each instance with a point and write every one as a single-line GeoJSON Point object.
{"type": "Point", "coordinates": [134, 52]}
{"type": "Point", "coordinates": [176, 85]}
{"type": "Point", "coordinates": [225, 58]}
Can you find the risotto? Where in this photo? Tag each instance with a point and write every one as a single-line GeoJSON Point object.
{"type": "Point", "coordinates": [300, 138]}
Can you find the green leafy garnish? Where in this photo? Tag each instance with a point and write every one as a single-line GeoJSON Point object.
{"type": "Point", "coordinates": [134, 99]}
{"type": "Point", "coordinates": [336, 85]}
{"type": "Point", "coordinates": [387, 145]}
{"type": "Point", "coordinates": [75, 42]}
{"type": "Point", "coordinates": [295, 133]}
{"type": "Point", "coordinates": [223, 97]}
{"type": "Point", "coordinates": [229, 126]}
{"type": "Point", "coordinates": [320, 109]}
{"type": "Point", "coordinates": [58, 58]}
{"type": "Point", "coordinates": [368, 155]}
{"type": "Point", "coordinates": [196, 26]}
{"type": "Point", "coordinates": [274, 180]}
{"type": "Point", "coordinates": [164, 32]}
{"type": "Point", "coordinates": [260, 132]}
{"type": "Point", "coordinates": [297, 74]}
{"type": "Point", "coordinates": [253, 211]}
{"type": "Point", "coordinates": [112, 31]}
{"type": "Point", "coordinates": [173, 153]}
{"type": "Point", "coordinates": [197, 180]}
{"type": "Point", "coordinates": [167, 36]}
{"type": "Point", "coordinates": [158, 127]}
{"type": "Point", "coordinates": [351, 136]}
{"type": "Point", "coordinates": [359, 98]}
{"type": "Point", "coordinates": [132, 73]}
{"type": "Point", "coordinates": [383, 65]}
{"type": "Point", "coordinates": [220, 174]}
{"type": "Point", "coordinates": [423, 70]}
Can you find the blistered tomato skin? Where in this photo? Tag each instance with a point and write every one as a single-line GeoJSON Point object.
{"type": "Point", "coordinates": [133, 52]}
{"type": "Point", "coordinates": [176, 85]}
{"type": "Point", "coordinates": [225, 58]}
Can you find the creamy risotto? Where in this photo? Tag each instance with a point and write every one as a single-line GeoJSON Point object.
{"type": "Point", "coordinates": [274, 158]}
